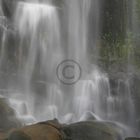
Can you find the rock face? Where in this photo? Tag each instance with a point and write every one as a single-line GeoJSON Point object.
{"type": "Point", "coordinates": [52, 130]}
{"type": "Point", "coordinates": [7, 116]}
{"type": "Point", "coordinates": [135, 90]}
{"type": "Point", "coordinates": [8, 7]}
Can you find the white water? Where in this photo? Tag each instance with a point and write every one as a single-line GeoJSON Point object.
{"type": "Point", "coordinates": [47, 37]}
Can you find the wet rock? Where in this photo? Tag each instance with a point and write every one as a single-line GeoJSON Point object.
{"type": "Point", "coordinates": [7, 116]}
{"type": "Point", "coordinates": [17, 135]}
{"type": "Point", "coordinates": [48, 130]}
{"type": "Point", "coordinates": [9, 39]}
{"type": "Point", "coordinates": [91, 130]}
{"type": "Point", "coordinates": [132, 138]}
{"type": "Point", "coordinates": [58, 2]}
{"type": "Point", "coordinates": [135, 90]}
{"type": "Point", "coordinates": [2, 135]}
{"type": "Point", "coordinates": [8, 7]}
{"type": "Point", "coordinates": [53, 130]}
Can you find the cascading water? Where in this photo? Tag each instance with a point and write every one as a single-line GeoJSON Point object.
{"type": "Point", "coordinates": [47, 39]}
{"type": "Point", "coordinates": [38, 24]}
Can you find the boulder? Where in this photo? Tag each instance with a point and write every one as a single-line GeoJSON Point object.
{"type": "Point", "coordinates": [53, 130]}
{"type": "Point", "coordinates": [91, 130]}
{"type": "Point", "coordinates": [42, 131]}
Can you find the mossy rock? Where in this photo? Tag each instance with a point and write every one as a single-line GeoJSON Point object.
{"type": "Point", "coordinates": [91, 130]}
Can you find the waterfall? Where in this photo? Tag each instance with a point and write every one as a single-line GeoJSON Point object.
{"type": "Point", "coordinates": [52, 40]}
{"type": "Point", "coordinates": [42, 49]}
{"type": "Point", "coordinates": [39, 30]}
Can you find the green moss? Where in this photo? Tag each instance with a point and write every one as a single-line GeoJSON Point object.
{"type": "Point", "coordinates": [120, 53]}
{"type": "Point", "coordinates": [113, 17]}
{"type": "Point", "coordinates": [117, 52]}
